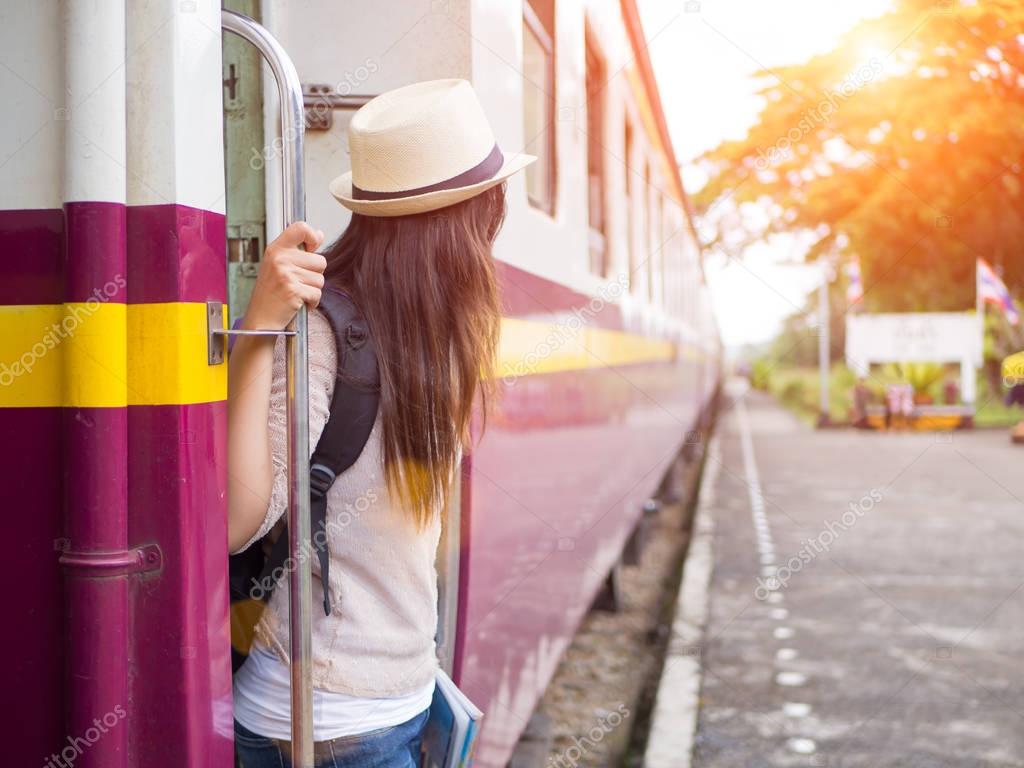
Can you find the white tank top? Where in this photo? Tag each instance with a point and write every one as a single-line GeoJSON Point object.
{"type": "Point", "coordinates": [263, 704]}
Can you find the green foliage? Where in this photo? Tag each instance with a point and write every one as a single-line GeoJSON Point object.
{"type": "Point", "coordinates": [797, 387]}
{"type": "Point", "coordinates": [923, 377]}
{"type": "Point", "coordinates": [991, 410]}
{"type": "Point", "coordinates": [902, 145]}
{"type": "Point", "coordinates": [1001, 338]}
{"type": "Point", "coordinates": [761, 374]}
{"type": "Point", "coordinates": [794, 390]}
{"type": "Point", "coordinates": [797, 343]}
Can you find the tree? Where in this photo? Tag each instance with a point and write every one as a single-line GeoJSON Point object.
{"type": "Point", "coordinates": [797, 342]}
{"type": "Point", "coordinates": [902, 145]}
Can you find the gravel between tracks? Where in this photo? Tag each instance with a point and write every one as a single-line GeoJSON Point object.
{"type": "Point", "coordinates": [599, 698]}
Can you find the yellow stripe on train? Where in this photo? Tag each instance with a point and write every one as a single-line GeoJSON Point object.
{"type": "Point", "coordinates": [167, 361]}
{"type": "Point", "coordinates": [92, 354]}
{"type": "Point", "coordinates": [529, 347]}
{"type": "Point", "coordinates": [111, 355]}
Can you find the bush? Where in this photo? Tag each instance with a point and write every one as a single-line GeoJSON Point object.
{"type": "Point", "coordinates": [794, 393]}
{"type": "Point", "coordinates": [761, 374]}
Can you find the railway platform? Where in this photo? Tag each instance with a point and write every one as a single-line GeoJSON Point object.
{"type": "Point", "coordinates": [851, 599]}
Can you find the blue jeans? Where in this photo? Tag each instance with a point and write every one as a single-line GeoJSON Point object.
{"type": "Point", "coordinates": [395, 747]}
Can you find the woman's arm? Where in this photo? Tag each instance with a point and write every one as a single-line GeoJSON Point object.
{"type": "Point", "coordinates": [288, 277]}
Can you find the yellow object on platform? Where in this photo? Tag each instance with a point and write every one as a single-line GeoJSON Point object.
{"type": "Point", "coordinates": [1013, 369]}
{"type": "Point", "coordinates": [929, 422]}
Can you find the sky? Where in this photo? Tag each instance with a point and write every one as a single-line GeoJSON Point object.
{"type": "Point", "coordinates": [704, 54]}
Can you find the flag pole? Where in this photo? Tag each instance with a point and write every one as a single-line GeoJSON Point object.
{"type": "Point", "coordinates": [979, 305]}
{"type": "Point", "coordinates": [967, 385]}
{"type": "Point", "coordinates": [824, 342]}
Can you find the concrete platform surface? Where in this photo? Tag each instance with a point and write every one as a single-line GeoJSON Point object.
{"type": "Point", "coordinates": [866, 602]}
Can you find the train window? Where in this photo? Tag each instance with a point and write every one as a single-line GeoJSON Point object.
{"type": "Point", "coordinates": [539, 100]}
{"type": "Point", "coordinates": [649, 230]}
{"type": "Point", "coordinates": [630, 183]}
{"type": "Point", "coordinates": [595, 86]}
{"type": "Point", "coordinates": [654, 246]}
{"type": "Point", "coordinates": [663, 246]}
{"type": "Point", "coordinates": [674, 260]}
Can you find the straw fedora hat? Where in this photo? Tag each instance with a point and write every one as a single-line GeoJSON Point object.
{"type": "Point", "coordinates": [419, 148]}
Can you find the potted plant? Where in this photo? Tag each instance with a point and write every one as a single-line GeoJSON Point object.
{"type": "Point", "coordinates": [922, 377]}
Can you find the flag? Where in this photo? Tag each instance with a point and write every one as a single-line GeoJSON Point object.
{"type": "Point", "coordinates": [992, 290]}
{"type": "Point", "coordinates": [855, 286]}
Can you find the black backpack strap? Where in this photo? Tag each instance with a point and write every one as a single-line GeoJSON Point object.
{"type": "Point", "coordinates": [353, 413]}
{"type": "Point", "coordinates": [352, 416]}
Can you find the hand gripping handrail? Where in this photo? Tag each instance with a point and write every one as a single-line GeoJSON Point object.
{"type": "Point", "coordinates": [300, 586]}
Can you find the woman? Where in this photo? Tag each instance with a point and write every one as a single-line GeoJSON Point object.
{"type": "Point", "coordinates": [427, 194]}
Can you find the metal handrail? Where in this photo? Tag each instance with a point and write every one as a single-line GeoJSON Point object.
{"type": "Point", "coordinates": [300, 582]}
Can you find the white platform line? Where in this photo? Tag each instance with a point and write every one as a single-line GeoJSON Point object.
{"type": "Point", "coordinates": [674, 720]}
{"type": "Point", "coordinates": [790, 679]}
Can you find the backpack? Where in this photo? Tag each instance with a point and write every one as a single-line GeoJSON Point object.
{"type": "Point", "coordinates": [253, 573]}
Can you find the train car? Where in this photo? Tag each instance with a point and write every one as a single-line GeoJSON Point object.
{"type": "Point", "coordinates": [141, 161]}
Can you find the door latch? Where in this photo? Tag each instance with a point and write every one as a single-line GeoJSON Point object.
{"type": "Point", "coordinates": [217, 334]}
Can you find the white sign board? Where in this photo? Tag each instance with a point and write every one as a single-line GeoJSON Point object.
{"type": "Point", "coordinates": [913, 337]}
{"type": "Point", "coordinates": [916, 337]}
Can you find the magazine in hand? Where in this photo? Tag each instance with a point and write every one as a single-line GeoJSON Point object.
{"type": "Point", "coordinates": [451, 730]}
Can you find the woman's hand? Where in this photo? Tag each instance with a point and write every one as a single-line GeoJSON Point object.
{"type": "Point", "coordinates": [289, 277]}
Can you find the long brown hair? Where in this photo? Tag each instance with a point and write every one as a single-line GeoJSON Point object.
{"type": "Point", "coordinates": [426, 285]}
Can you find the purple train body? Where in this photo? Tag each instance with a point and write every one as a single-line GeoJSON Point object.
{"type": "Point", "coordinates": [114, 230]}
